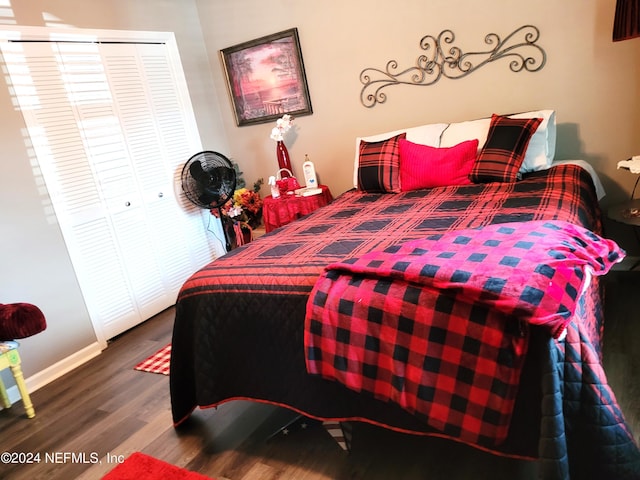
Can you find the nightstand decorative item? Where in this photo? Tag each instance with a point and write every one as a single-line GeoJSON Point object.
{"type": "Point", "coordinates": [309, 170]}
{"type": "Point", "coordinates": [286, 182]}
{"type": "Point", "coordinates": [282, 154]}
{"type": "Point", "coordinates": [283, 125]}
{"type": "Point", "coordinates": [277, 212]}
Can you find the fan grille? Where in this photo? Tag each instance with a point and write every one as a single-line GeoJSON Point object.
{"type": "Point", "coordinates": [208, 179]}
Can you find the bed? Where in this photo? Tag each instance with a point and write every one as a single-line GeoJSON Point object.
{"type": "Point", "coordinates": [244, 326]}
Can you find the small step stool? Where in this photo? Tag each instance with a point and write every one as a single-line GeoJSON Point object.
{"type": "Point", "coordinates": [9, 358]}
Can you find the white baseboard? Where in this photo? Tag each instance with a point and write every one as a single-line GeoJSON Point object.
{"type": "Point", "coordinates": [49, 374]}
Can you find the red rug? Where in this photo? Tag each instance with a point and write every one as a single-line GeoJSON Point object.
{"type": "Point", "coordinates": [156, 363]}
{"type": "Point", "coordinates": [139, 466]}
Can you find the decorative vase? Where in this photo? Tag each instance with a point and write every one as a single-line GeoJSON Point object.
{"type": "Point", "coordinates": [283, 158]}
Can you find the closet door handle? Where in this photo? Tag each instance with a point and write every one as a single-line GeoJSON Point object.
{"type": "Point", "coordinates": [160, 195]}
{"type": "Point", "coordinates": [127, 204]}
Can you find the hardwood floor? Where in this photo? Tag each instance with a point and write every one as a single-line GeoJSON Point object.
{"type": "Point", "coordinates": [107, 409]}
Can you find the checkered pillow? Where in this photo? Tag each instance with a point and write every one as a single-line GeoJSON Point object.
{"type": "Point", "coordinates": [503, 152]}
{"type": "Point", "coordinates": [379, 166]}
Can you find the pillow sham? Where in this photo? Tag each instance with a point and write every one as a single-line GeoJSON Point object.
{"type": "Point", "coordinates": [542, 146]}
{"type": "Point", "coordinates": [423, 166]}
{"type": "Point", "coordinates": [423, 134]}
{"type": "Point", "coordinates": [379, 166]}
{"type": "Point", "coordinates": [503, 153]}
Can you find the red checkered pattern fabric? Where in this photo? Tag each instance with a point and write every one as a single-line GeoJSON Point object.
{"type": "Point", "coordinates": [532, 270]}
{"type": "Point", "coordinates": [453, 366]}
{"type": "Point", "coordinates": [379, 166]}
{"type": "Point", "coordinates": [159, 362]}
{"type": "Point", "coordinates": [503, 152]}
{"type": "Point", "coordinates": [416, 323]}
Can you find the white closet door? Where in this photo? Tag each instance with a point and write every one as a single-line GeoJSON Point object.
{"type": "Point", "coordinates": [108, 151]}
{"type": "Point", "coordinates": [174, 121]}
{"type": "Point", "coordinates": [156, 131]}
{"type": "Point", "coordinates": [112, 126]}
{"type": "Point", "coordinates": [47, 98]}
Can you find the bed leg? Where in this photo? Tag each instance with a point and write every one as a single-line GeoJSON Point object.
{"type": "Point", "coordinates": [341, 433]}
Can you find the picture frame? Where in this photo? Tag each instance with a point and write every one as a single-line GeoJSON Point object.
{"type": "Point", "coordinates": [266, 78]}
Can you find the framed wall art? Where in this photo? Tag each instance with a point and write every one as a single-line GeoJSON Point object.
{"type": "Point", "coordinates": [266, 78]}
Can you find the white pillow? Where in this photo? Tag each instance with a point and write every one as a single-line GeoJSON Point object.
{"type": "Point", "coordinates": [542, 146]}
{"type": "Point", "coordinates": [461, 131]}
{"type": "Point", "coordinates": [423, 135]}
{"type": "Point", "coordinates": [540, 151]}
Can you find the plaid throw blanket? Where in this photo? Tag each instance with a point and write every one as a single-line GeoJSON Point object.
{"type": "Point", "coordinates": [439, 325]}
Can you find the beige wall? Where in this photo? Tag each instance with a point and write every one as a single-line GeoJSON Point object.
{"type": "Point", "coordinates": [592, 82]}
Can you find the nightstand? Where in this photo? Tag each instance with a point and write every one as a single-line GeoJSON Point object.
{"type": "Point", "coordinates": [626, 212]}
{"type": "Point", "coordinates": [629, 214]}
{"type": "Point", "coordinates": [277, 212]}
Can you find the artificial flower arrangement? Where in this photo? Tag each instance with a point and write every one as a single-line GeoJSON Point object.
{"type": "Point", "coordinates": [242, 213]}
{"type": "Point", "coordinates": [246, 205]}
{"type": "Point", "coordinates": [283, 125]}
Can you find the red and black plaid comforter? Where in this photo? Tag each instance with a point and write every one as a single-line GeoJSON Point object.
{"type": "Point", "coordinates": [239, 321]}
{"type": "Point", "coordinates": [403, 324]}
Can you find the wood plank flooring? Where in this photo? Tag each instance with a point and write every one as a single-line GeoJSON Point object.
{"type": "Point", "coordinates": [105, 410]}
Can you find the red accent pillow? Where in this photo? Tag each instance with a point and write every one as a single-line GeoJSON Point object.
{"type": "Point", "coordinates": [379, 166]}
{"type": "Point", "coordinates": [422, 166]}
{"type": "Point", "coordinates": [503, 152]}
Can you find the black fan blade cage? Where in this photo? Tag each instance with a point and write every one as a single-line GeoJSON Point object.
{"type": "Point", "coordinates": [208, 179]}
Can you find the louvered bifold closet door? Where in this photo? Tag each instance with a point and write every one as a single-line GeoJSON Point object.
{"type": "Point", "coordinates": [110, 171]}
{"type": "Point", "coordinates": [176, 123]}
{"type": "Point", "coordinates": [48, 93]}
{"type": "Point", "coordinates": [156, 130]}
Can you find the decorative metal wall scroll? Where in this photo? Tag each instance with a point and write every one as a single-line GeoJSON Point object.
{"type": "Point", "coordinates": [519, 47]}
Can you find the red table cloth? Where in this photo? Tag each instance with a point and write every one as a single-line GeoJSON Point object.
{"type": "Point", "coordinates": [280, 211]}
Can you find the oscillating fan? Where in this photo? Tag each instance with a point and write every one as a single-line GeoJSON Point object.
{"type": "Point", "coordinates": [208, 181]}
